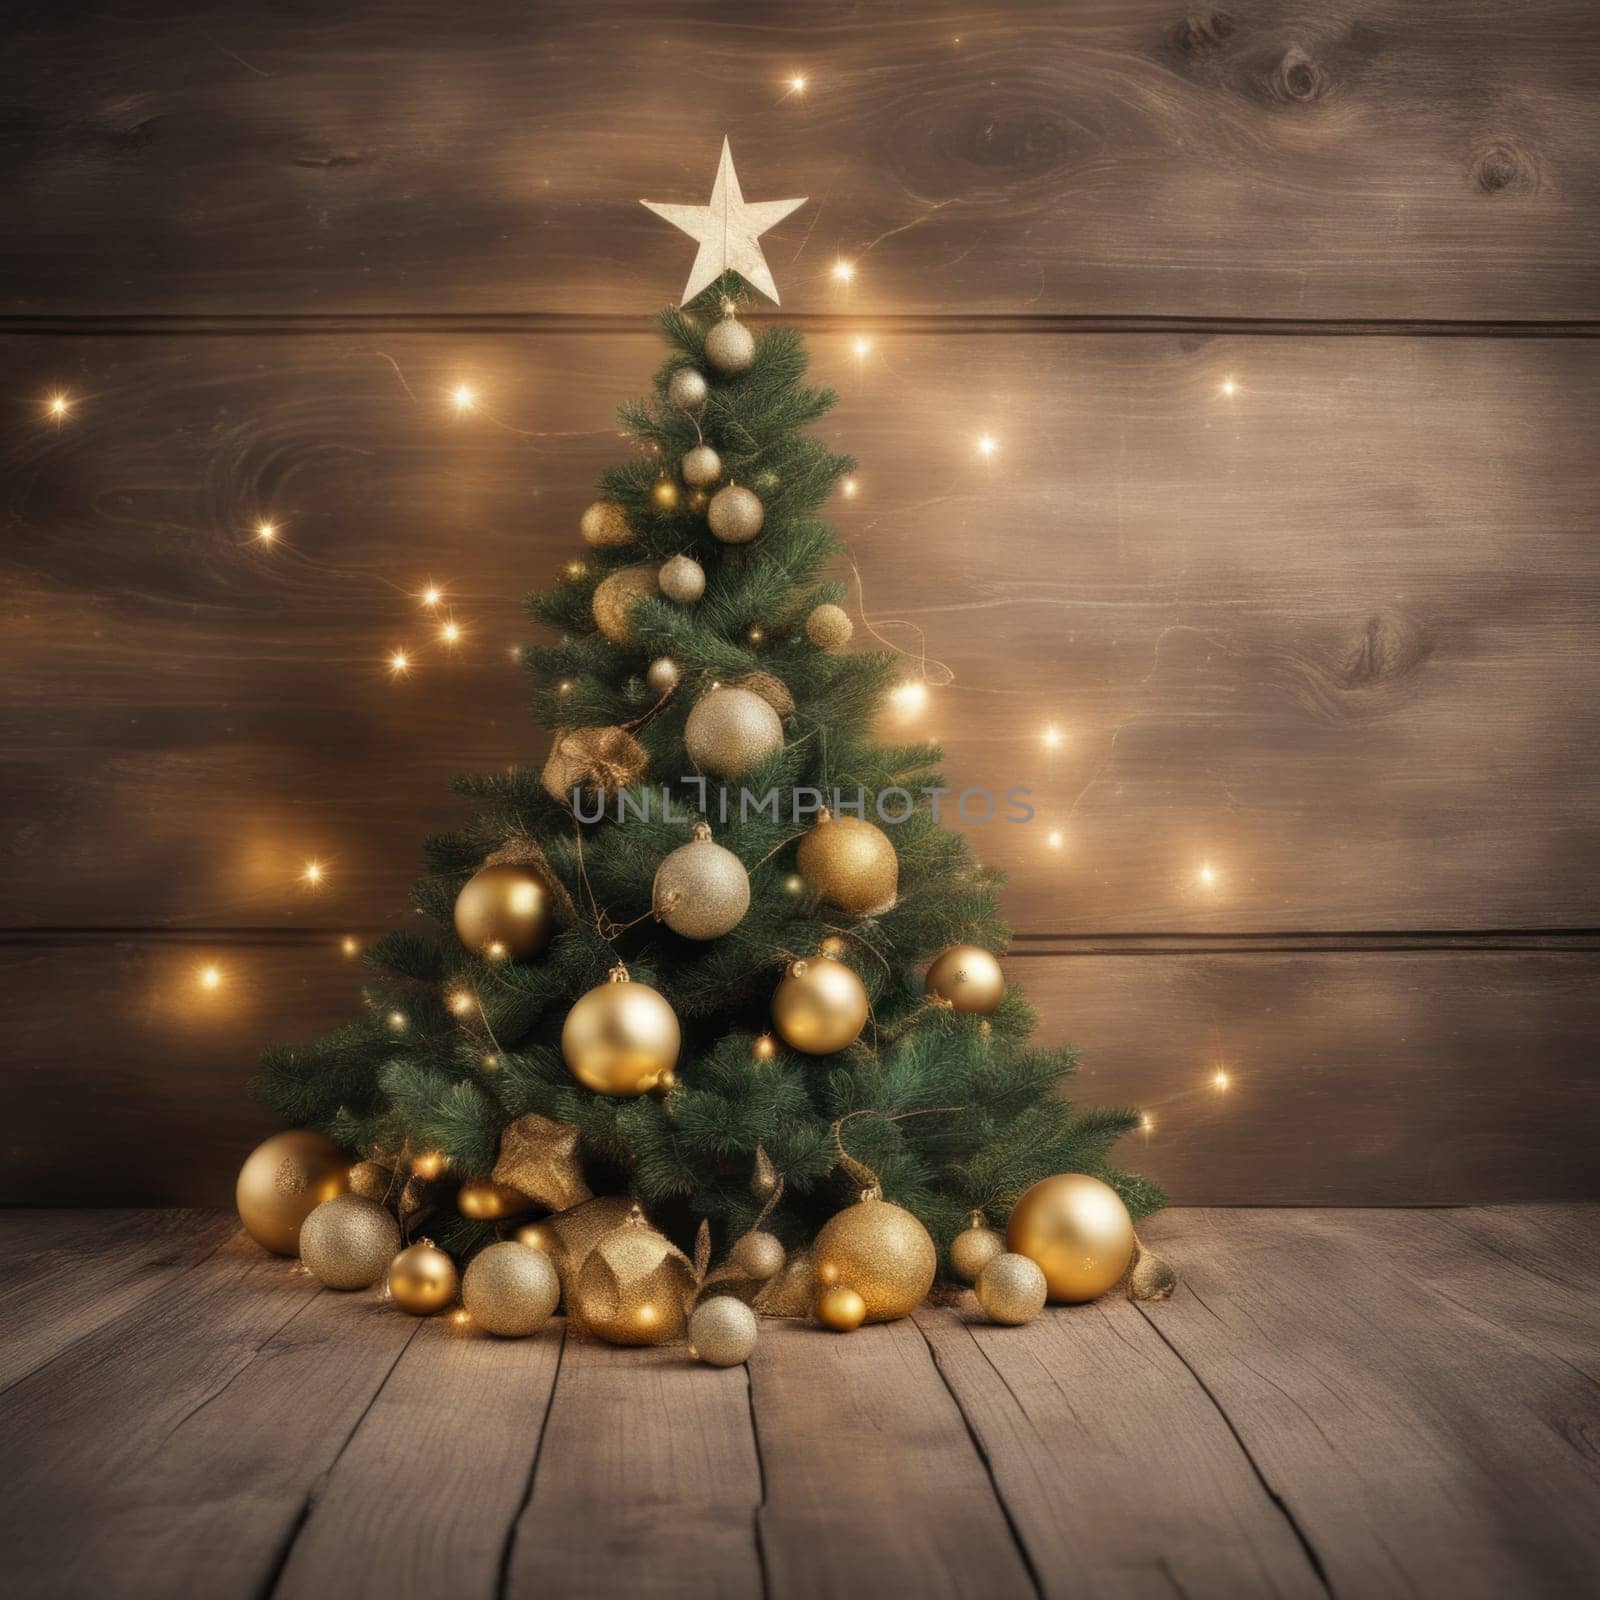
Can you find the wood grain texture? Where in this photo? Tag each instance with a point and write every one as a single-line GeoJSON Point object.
{"type": "Point", "coordinates": [1361, 157]}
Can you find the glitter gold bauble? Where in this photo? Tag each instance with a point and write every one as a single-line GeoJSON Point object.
{"type": "Point", "coordinates": [506, 909]}
{"type": "Point", "coordinates": [758, 1255]}
{"type": "Point", "coordinates": [882, 1252]}
{"type": "Point", "coordinates": [722, 1331]}
{"type": "Point", "coordinates": [701, 890]}
{"type": "Point", "coordinates": [974, 1248]}
{"type": "Point", "coordinates": [486, 1201]}
{"type": "Point", "coordinates": [700, 465]}
{"type": "Point", "coordinates": [828, 627]}
{"type": "Point", "coordinates": [614, 597]}
{"type": "Point", "coordinates": [282, 1181]}
{"type": "Point", "coordinates": [1078, 1230]}
{"type": "Point", "coordinates": [539, 1158]}
{"type": "Point", "coordinates": [1011, 1289]}
{"type": "Point", "coordinates": [662, 674]}
{"type": "Point", "coordinates": [731, 730]}
{"type": "Point", "coordinates": [372, 1180]}
{"type": "Point", "coordinates": [735, 514]}
{"type": "Point", "coordinates": [849, 863]}
{"type": "Point", "coordinates": [634, 1287]}
{"type": "Point", "coordinates": [968, 977]}
{"type": "Point", "coordinates": [620, 1037]}
{"type": "Point", "coordinates": [605, 525]}
{"type": "Point", "coordinates": [730, 347]}
{"type": "Point", "coordinates": [510, 1289]}
{"type": "Point", "coordinates": [687, 388]}
{"type": "Point", "coordinates": [348, 1242]}
{"type": "Point", "coordinates": [682, 579]}
{"type": "Point", "coordinates": [422, 1279]}
{"type": "Point", "coordinates": [841, 1309]}
{"type": "Point", "coordinates": [821, 1006]}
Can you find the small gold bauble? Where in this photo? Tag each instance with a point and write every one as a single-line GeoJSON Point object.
{"type": "Point", "coordinates": [1011, 1290]}
{"type": "Point", "coordinates": [730, 347]}
{"type": "Point", "coordinates": [614, 597]}
{"type": "Point", "coordinates": [828, 627]}
{"type": "Point", "coordinates": [968, 977]}
{"type": "Point", "coordinates": [682, 579]}
{"type": "Point", "coordinates": [701, 890]}
{"type": "Point", "coordinates": [1078, 1230]}
{"type": "Point", "coordinates": [665, 495]}
{"type": "Point", "coordinates": [422, 1279]}
{"type": "Point", "coordinates": [373, 1181]}
{"type": "Point", "coordinates": [722, 1331]}
{"type": "Point", "coordinates": [620, 1037]}
{"type": "Point", "coordinates": [840, 1308]}
{"type": "Point", "coordinates": [974, 1248]}
{"type": "Point", "coordinates": [510, 1289]}
{"type": "Point", "coordinates": [735, 514]}
{"type": "Point", "coordinates": [820, 1007]}
{"type": "Point", "coordinates": [882, 1252]}
{"type": "Point", "coordinates": [758, 1255]}
{"type": "Point", "coordinates": [507, 906]}
{"type": "Point", "coordinates": [849, 863]}
{"type": "Point", "coordinates": [701, 465]}
{"type": "Point", "coordinates": [634, 1286]}
{"type": "Point", "coordinates": [730, 730]}
{"type": "Point", "coordinates": [763, 1048]}
{"type": "Point", "coordinates": [605, 525]}
{"type": "Point", "coordinates": [484, 1200]}
{"type": "Point", "coordinates": [833, 946]}
{"type": "Point", "coordinates": [284, 1179]}
{"type": "Point", "coordinates": [687, 389]}
{"type": "Point", "coordinates": [347, 1242]}
{"type": "Point", "coordinates": [662, 674]}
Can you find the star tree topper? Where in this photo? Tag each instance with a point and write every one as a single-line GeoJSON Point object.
{"type": "Point", "coordinates": [727, 231]}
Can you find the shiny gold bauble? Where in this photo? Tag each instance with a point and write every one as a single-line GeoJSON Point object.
{"type": "Point", "coordinates": [422, 1279]}
{"type": "Point", "coordinates": [510, 1289]}
{"type": "Point", "coordinates": [758, 1255]}
{"type": "Point", "coordinates": [828, 627]}
{"type": "Point", "coordinates": [282, 1181]}
{"type": "Point", "coordinates": [682, 579]}
{"type": "Point", "coordinates": [701, 890]}
{"type": "Point", "coordinates": [1079, 1232]}
{"type": "Point", "coordinates": [507, 906]}
{"type": "Point", "coordinates": [722, 1331]}
{"type": "Point", "coordinates": [484, 1200]}
{"type": "Point", "coordinates": [763, 1048]}
{"type": "Point", "coordinates": [882, 1252]}
{"type": "Point", "coordinates": [735, 514]}
{"type": "Point", "coordinates": [373, 1181]}
{"type": "Point", "coordinates": [700, 465]}
{"type": "Point", "coordinates": [849, 863]}
{"type": "Point", "coordinates": [662, 674]}
{"type": "Point", "coordinates": [634, 1287]}
{"type": "Point", "coordinates": [730, 347]}
{"type": "Point", "coordinates": [841, 1309]}
{"type": "Point", "coordinates": [730, 730]}
{"type": "Point", "coordinates": [348, 1242]}
{"type": "Point", "coordinates": [820, 1007]}
{"type": "Point", "coordinates": [620, 1037]}
{"type": "Point", "coordinates": [973, 1249]}
{"type": "Point", "coordinates": [687, 389]}
{"type": "Point", "coordinates": [614, 597]}
{"type": "Point", "coordinates": [1011, 1289]}
{"type": "Point", "coordinates": [605, 525]}
{"type": "Point", "coordinates": [968, 977]}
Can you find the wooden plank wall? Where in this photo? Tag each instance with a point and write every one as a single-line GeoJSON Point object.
{"type": "Point", "coordinates": [1282, 318]}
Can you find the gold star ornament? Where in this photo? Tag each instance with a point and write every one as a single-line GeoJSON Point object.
{"type": "Point", "coordinates": [727, 231]}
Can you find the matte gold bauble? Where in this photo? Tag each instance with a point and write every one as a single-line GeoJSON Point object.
{"type": "Point", "coordinates": [687, 389]}
{"type": "Point", "coordinates": [849, 863]}
{"type": "Point", "coordinates": [1011, 1289]}
{"type": "Point", "coordinates": [348, 1242]}
{"type": "Point", "coordinates": [735, 514]}
{"type": "Point", "coordinates": [701, 890]}
{"type": "Point", "coordinates": [974, 1248]}
{"type": "Point", "coordinates": [510, 1289]}
{"type": "Point", "coordinates": [758, 1255]}
{"type": "Point", "coordinates": [506, 908]}
{"type": "Point", "coordinates": [730, 347]}
{"type": "Point", "coordinates": [620, 1037]}
{"type": "Point", "coordinates": [1079, 1232]}
{"type": "Point", "coordinates": [701, 465]}
{"type": "Point", "coordinates": [828, 627]}
{"type": "Point", "coordinates": [722, 1331]}
{"type": "Point", "coordinates": [882, 1252]}
{"type": "Point", "coordinates": [841, 1309]}
{"type": "Point", "coordinates": [820, 1007]}
{"type": "Point", "coordinates": [605, 525]}
{"type": "Point", "coordinates": [282, 1181]}
{"type": "Point", "coordinates": [422, 1279]}
{"type": "Point", "coordinates": [634, 1286]}
{"type": "Point", "coordinates": [730, 730]}
{"type": "Point", "coordinates": [968, 977]}
{"type": "Point", "coordinates": [682, 579]}
{"type": "Point", "coordinates": [614, 597]}
{"type": "Point", "coordinates": [662, 674]}
{"type": "Point", "coordinates": [486, 1201]}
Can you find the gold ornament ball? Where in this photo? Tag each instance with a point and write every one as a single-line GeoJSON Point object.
{"type": "Point", "coordinates": [841, 1309]}
{"type": "Point", "coordinates": [484, 1200]}
{"type": "Point", "coordinates": [701, 890]}
{"type": "Point", "coordinates": [283, 1180]}
{"type": "Point", "coordinates": [833, 946]}
{"type": "Point", "coordinates": [730, 730]}
{"type": "Point", "coordinates": [620, 1037]}
{"type": "Point", "coordinates": [1078, 1230]}
{"type": "Point", "coordinates": [820, 1007]}
{"type": "Point", "coordinates": [614, 597]}
{"type": "Point", "coordinates": [882, 1252]}
{"type": "Point", "coordinates": [701, 465]}
{"type": "Point", "coordinates": [1011, 1289]}
{"type": "Point", "coordinates": [730, 347]}
{"type": "Point", "coordinates": [348, 1242]}
{"type": "Point", "coordinates": [829, 627]}
{"type": "Point", "coordinates": [764, 1048]}
{"type": "Point", "coordinates": [722, 1331]}
{"type": "Point", "coordinates": [510, 1289]}
{"type": "Point", "coordinates": [973, 1249]}
{"type": "Point", "coordinates": [634, 1287]}
{"type": "Point", "coordinates": [422, 1279]}
{"type": "Point", "coordinates": [372, 1181]}
{"type": "Point", "coordinates": [605, 525]}
{"type": "Point", "coordinates": [758, 1255]}
{"type": "Point", "coordinates": [662, 674]}
{"type": "Point", "coordinates": [507, 906]}
{"type": "Point", "coordinates": [851, 864]}
{"type": "Point", "coordinates": [682, 579]}
{"type": "Point", "coordinates": [968, 977]}
{"type": "Point", "coordinates": [735, 515]}
{"type": "Point", "coordinates": [687, 389]}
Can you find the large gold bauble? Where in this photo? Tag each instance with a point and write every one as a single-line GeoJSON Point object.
{"type": "Point", "coordinates": [820, 1007]}
{"type": "Point", "coordinates": [1011, 1289]}
{"type": "Point", "coordinates": [484, 1200]}
{"type": "Point", "coordinates": [700, 465]}
{"type": "Point", "coordinates": [841, 1309]}
{"type": "Point", "coordinates": [605, 525]}
{"type": "Point", "coordinates": [730, 347]}
{"type": "Point", "coordinates": [282, 1181]}
{"type": "Point", "coordinates": [849, 863]}
{"type": "Point", "coordinates": [620, 1037]}
{"type": "Point", "coordinates": [348, 1242]}
{"type": "Point", "coordinates": [968, 977]}
{"type": "Point", "coordinates": [634, 1287]}
{"type": "Point", "coordinates": [504, 909]}
{"type": "Point", "coordinates": [510, 1289]}
{"type": "Point", "coordinates": [1079, 1232]}
{"type": "Point", "coordinates": [701, 890]}
{"type": "Point", "coordinates": [682, 579]}
{"type": "Point", "coordinates": [730, 730]}
{"type": "Point", "coordinates": [735, 514]}
{"type": "Point", "coordinates": [828, 626]}
{"type": "Point", "coordinates": [722, 1331]}
{"type": "Point", "coordinates": [422, 1279]}
{"type": "Point", "coordinates": [882, 1252]}
{"type": "Point", "coordinates": [614, 597]}
{"type": "Point", "coordinates": [973, 1249]}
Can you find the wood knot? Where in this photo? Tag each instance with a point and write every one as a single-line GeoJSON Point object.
{"type": "Point", "coordinates": [1298, 78]}
{"type": "Point", "coordinates": [1500, 167]}
{"type": "Point", "coordinates": [1204, 30]}
{"type": "Point", "coordinates": [1390, 646]}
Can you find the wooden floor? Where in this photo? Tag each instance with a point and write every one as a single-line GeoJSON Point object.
{"type": "Point", "coordinates": [1345, 1402]}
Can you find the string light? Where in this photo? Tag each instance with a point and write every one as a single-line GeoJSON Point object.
{"type": "Point", "coordinates": [665, 494]}
{"type": "Point", "coordinates": [576, 569]}
{"type": "Point", "coordinates": [210, 977]}
{"type": "Point", "coordinates": [57, 407]}
{"type": "Point", "coordinates": [461, 1002]}
{"type": "Point", "coordinates": [756, 636]}
{"type": "Point", "coordinates": [1147, 1123]}
{"type": "Point", "coordinates": [463, 397]}
{"type": "Point", "coordinates": [428, 1165]}
{"type": "Point", "coordinates": [462, 1319]}
{"type": "Point", "coordinates": [1220, 1080]}
{"type": "Point", "coordinates": [843, 271]}
{"type": "Point", "coordinates": [794, 883]}
{"type": "Point", "coordinates": [495, 950]}
{"type": "Point", "coordinates": [863, 349]}
{"type": "Point", "coordinates": [1055, 839]}
{"type": "Point", "coordinates": [351, 947]}
{"type": "Point", "coordinates": [987, 445]}
{"type": "Point", "coordinates": [313, 873]}
{"type": "Point", "coordinates": [1207, 874]}
{"type": "Point", "coordinates": [450, 633]}
{"type": "Point", "coordinates": [564, 687]}
{"type": "Point", "coordinates": [491, 1062]}
{"type": "Point", "coordinates": [431, 595]}
{"type": "Point", "coordinates": [797, 84]}
{"type": "Point", "coordinates": [266, 532]}
{"type": "Point", "coordinates": [909, 697]}
{"type": "Point", "coordinates": [399, 664]}
{"type": "Point", "coordinates": [1052, 737]}
{"type": "Point", "coordinates": [849, 488]}
{"type": "Point", "coordinates": [1228, 388]}
{"type": "Point", "coordinates": [397, 1021]}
